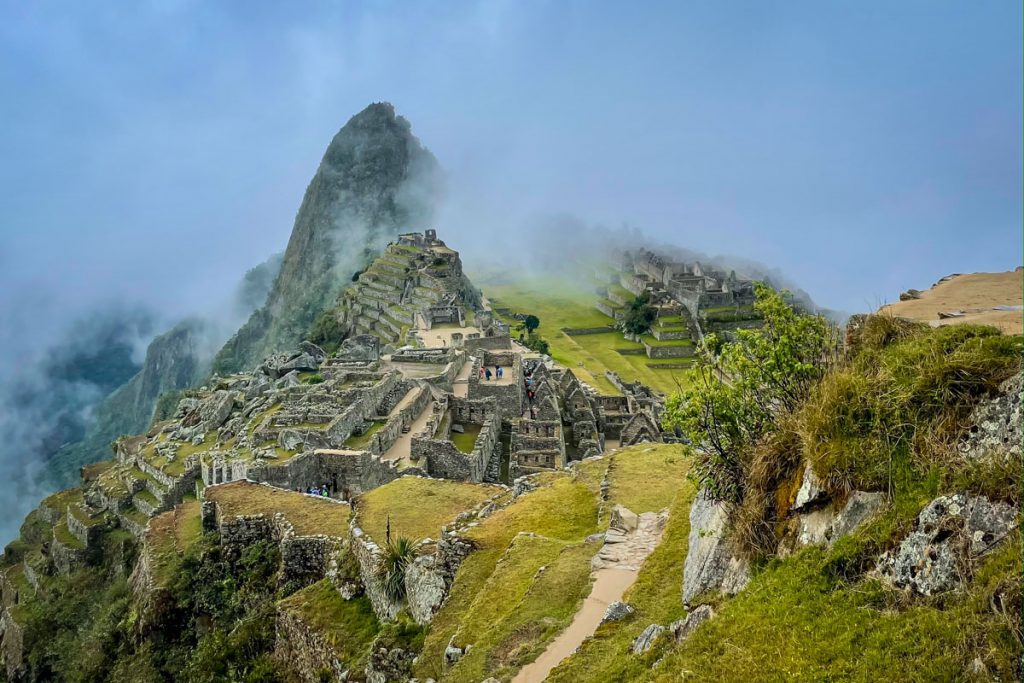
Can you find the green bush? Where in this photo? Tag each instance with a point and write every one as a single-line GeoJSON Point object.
{"type": "Point", "coordinates": [639, 315]}
{"type": "Point", "coordinates": [738, 395]}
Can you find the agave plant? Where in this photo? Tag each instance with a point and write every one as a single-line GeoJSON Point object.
{"type": "Point", "coordinates": [398, 554]}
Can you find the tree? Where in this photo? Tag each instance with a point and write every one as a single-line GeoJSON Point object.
{"type": "Point", "coordinates": [639, 314]}
{"type": "Point", "coordinates": [531, 323]}
{"type": "Point", "coordinates": [737, 396]}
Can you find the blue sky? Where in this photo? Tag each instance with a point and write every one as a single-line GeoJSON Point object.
{"type": "Point", "coordinates": [154, 151]}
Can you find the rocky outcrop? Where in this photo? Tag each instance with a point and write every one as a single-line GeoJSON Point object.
{"type": "Point", "coordinates": [829, 521]}
{"type": "Point", "coordinates": [951, 534]}
{"type": "Point", "coordinates": [374, 180]}
{"type": "Point", "coordinates": [711, 561]}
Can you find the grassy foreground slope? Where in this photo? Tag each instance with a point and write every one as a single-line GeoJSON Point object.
{"type": "Point", "coordinates": [563, 303]}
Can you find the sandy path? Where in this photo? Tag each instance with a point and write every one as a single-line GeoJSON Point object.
{"type": "Point", "coordinates": [615, 568]}
{"type": "Point", "coordinates": [406, 400]}
{"type": "Point", "coordinates": [609, 585]}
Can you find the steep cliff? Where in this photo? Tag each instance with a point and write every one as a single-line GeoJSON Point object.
{"type": "Point", "coordinates": [375, 180]}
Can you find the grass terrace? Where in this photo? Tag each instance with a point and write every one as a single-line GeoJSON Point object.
{"type": "Point", "coordinates": [466, 439]}
{"type": "Point", "coordinates": [561, 304]}
{"type": "Point", "coordinates": [63, 535]}
{"type": "Point", "coordinates": [310, 515]}
{"type": "Point", "coordinates": [170, 535]}
{"type": "Point", "coordinates": [348, 626]}
{"type": "Point", "coordinates": [418, 507]}
{"type": "Point", "coordinates": [59, 501]}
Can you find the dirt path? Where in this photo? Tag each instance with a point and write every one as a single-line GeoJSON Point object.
{"type": "Point", "coordinates": [615, 568]}
{"type": "Point", "coordinates": [406, 400]}
{"type": "Point", "coordinates": [609, 585]}
{"type": "Point", "coordinates": [460, 387]}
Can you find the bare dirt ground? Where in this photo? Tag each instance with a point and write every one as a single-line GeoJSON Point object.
{"type": "Point", "coordinates": [976, 295]}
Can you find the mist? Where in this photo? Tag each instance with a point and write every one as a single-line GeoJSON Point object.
{"type": "Point", "coordinates": [153, 153]}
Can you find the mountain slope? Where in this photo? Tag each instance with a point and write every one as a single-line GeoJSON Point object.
{"type": "Point", "coordinates": [374, 181]}
{"type": "Point", "coordinates": [173, 362]}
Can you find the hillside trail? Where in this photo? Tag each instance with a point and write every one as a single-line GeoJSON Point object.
{"type": "Point", "coordinates": [615, 568]}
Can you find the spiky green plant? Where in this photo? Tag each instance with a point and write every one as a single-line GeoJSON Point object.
{"type": "Point", "coordinates": [397, 556]}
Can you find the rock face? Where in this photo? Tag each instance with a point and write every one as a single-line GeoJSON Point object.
{"type": "Point", "coordinates": [952, 532]}
{"type": "Point", "coordinates": [710, 561]}
{"type": "Point", "coordinates": [996, 425]}
{"type": "Point", "coordinates": [810, 491]}
{"type": "Point", "coordinates": [374, 181]}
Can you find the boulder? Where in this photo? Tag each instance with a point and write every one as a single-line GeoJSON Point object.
{"type": "Point", "coordinates": [811, 491]}
{"type": "Point", "coordinates": [289, 380]}
{"type": "Point", "coordinates": [645, 640]}
{"type": "Point", "coordinates": [684, 627]}
{"type": "Point", "coordinates": [950, 534]}
{"type": "Point", "coordinates": [291, 439]}
{"type": "Point", "coordinates": [258, 386]}
{"type": "Point", "coordinates": [617, 611]}
{"type": "Point", "coordinates": [623, 519]}
{"type": "Point", "coordinates": [312, 350]}
{"type": "Point", "coordinates": [301, 363]}
{"type": "Point", "coordinates": [711, 563]}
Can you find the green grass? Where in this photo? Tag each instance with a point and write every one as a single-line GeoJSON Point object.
{"type": "Point", "coordinates": [796, 621]}
{"type": "Point", "coordinates": [310, 515]}
{"type": "Point", "coordinates": [657, 343]}
{"type": "Point", "coordinates": [63, 535]}
{"type": "Point", "coordinates": [148, 497]}
{"type": "Point", "coordinates": [566, 304]}
{"type": "Point", "coordinates": [59, 501]}
{"type": "Point", "coordinates": [360, 442]}
{"type": "Point", "coordinates": [418, 507]}
{"type": "Point", "coordinates": [465, 440]}
{"type": "Point", "coordinates": [170, 535]}
{"type": "Point", "coordinates": [563, 509]}
{"type": "Point", "coordinates": [348, 626]}
{"type": "Point", "coordinates": [647, 477]}
{"type": "Point", "coordinates": [83, 517]}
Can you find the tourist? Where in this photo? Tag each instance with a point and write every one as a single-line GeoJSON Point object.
{"type": "Point", "coordinates": [499, 371]}
{"type": "Point", "coordinates": [488, 374]}
{"type": "Point", "coordinates": [481, 372]}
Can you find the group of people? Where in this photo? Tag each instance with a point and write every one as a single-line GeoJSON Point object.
{"type": "Point", "coordinates": [324, 491]}
{"type": "Point", "coordinates": [485, 372]}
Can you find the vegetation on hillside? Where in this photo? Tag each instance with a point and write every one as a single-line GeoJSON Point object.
{"type": "Point", "coordinates": [639, 315]}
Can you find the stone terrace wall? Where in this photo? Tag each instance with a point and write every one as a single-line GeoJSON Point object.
{"type": "Point", "coordinates": [370, 556]}
{"type": "Point", "coordinates": [499, 341]}
{"type": "Point", "coordinates": [387, 435]}
{"type": "Point", "coordinates": [13, 644]}
{"type": "Point", "coordinates": [304, 650]}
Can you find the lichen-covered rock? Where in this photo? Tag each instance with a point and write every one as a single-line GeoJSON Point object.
{"type": "Point", "coordinates": [425, 588]}
{"type": "Point", "coordinates": [826, 525]}
{"type": "Point", "coordinates": [617, 611]}
{"type": "Point", "coordinates": [711, 563]}
{"type": "Point", "coordinates": [684, 627]}
{"type": "Point", "coordinates": [996, 425]}
{"type": "Point", "coordinates": [645, 641]}
{"type": "Point", "coordinates": [623, 519]}
{"type": "Point", "coordinates": [950, 534]}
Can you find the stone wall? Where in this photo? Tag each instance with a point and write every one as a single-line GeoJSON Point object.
{"type": "Point", "coordinates": [680, 351]}
{"type": "Point", "coordinates": [509, 398]}
{"type": "Point", "coordinates": [304, 650]}
{"type": "Point", "coordinates": [65, 558]}
{"type": "Point", "coordinates": [370, 556]}
{"type": "Point", "coordinates": [495, 342]}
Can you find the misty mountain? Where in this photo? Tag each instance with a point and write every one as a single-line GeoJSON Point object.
{"type": "Point", "coordinates": [375, 180]}
{"type": "Point", "coordinates": [173, 362]}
